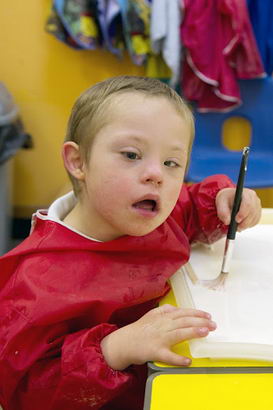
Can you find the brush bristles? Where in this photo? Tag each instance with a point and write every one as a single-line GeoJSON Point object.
{"type": "Point", "coordinates": [215, 284]}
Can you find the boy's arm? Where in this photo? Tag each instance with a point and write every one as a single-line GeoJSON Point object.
{"type": "Point", "coordinates": [47, 368]}
{"type": "Point", "coordinates": [196, 208]}
{"type": "Point", "coordinates": [205, 208]}
{"type": "Point", "coordinates": [71, 373]}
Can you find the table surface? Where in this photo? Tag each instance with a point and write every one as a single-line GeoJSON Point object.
{"type": "Point", "coordinates": [209, 391]}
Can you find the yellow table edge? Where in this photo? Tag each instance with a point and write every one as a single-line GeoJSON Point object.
{"type": "Point", "coordinates": [208, 391]}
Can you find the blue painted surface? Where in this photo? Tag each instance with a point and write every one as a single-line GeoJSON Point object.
{"type": "Point", "coordinates": [210, 156]}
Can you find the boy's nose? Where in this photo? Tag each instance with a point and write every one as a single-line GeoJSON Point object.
{"type": "Point", "coordinates": [153, 175]}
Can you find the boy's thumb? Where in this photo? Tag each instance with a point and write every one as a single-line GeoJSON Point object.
{"type": "Point", "coordinates": [175, 359]}
{"type": "Point", "coordinates": [223, 212]}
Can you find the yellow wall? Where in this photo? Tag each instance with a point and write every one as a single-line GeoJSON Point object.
{"type": "Point", "coordinates": [45, 76]}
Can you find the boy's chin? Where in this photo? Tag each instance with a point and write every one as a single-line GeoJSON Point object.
{"type": "Point", "coordinates": [141, 231]}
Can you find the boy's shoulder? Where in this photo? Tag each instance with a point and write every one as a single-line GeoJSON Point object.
{"type": "Point", "coordinates": [46, 235]}
{"type": "Point", "coordinates": [50, 247]}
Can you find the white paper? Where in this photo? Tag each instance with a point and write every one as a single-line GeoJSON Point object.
{"type": "Point", "coordinates": [243, 309]}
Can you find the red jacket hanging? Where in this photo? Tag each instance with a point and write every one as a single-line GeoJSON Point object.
{"type": "Point", "coordinates": [220, 48]}
{"type": "Point", "coordinates": [62, 293]}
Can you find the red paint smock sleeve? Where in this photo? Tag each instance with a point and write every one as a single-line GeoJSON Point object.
{"type": "Point", "coordinates": [196, 204]}
{"type": "Point", "coordinates": [70, 374]}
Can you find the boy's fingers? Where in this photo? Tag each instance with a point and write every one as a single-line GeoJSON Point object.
{"type": "Point", "coordinates": [250, 207]}
{"type": "Point", "coordinates": [248, 222]}
{"type": "Point", "coordinates": [223, 211]}
{"type": "Point", "coordinates": [193, 322]}
{"type": "Point", "coordinates": [179, 335]}
{"type": "Point", "coordinates": [180, 312]}
{"type": "Point", "coordinates": [244, 212]}
{"type": "Point", "coordinates": [171, 358]}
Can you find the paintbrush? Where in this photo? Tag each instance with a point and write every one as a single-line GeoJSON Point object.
{"type": "Point", "coordinates": [232, 229]}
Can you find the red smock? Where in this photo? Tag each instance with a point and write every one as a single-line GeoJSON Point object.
{"type": "Point", "coordinates": [62, 293]}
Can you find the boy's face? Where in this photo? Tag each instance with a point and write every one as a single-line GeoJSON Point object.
{"type": "Point", "coordinates": [136, 167]}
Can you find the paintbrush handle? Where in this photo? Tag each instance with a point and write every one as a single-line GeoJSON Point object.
{"type": "Point", "coordinates": [238, 195]}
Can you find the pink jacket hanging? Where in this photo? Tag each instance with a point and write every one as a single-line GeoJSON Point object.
{"type": "Point", "coordinates": [220, 48]}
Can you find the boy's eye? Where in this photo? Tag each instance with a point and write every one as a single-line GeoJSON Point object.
{"type": "Point", "coordinates": [130, 155]}
{"type": "Point", "coordinates": [171, 164]}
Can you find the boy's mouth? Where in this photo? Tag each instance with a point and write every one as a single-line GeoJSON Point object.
{"type": "Point", "coordinates": [148, 204]}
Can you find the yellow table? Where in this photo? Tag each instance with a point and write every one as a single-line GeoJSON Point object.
{"type": "Point", "coordinates": [210, 384]}
{"type": "Point", "coordinates": [174, 391]}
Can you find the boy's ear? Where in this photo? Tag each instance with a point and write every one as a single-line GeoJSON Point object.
{"type": "Point", "coordinates": [72, 159]}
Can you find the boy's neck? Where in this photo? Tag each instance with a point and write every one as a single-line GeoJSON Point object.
{"type": "Point", "coordinates": [79, 220]}
{"type": "Point", "coordinates": [76, 219]}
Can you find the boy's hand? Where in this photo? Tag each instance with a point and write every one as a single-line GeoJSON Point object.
{"type": "Point", "coordinates": [250, 210]}
{"type": "Point", "coordinates": [151, 337]}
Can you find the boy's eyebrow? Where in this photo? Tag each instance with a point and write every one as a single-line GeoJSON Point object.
{"type": "Point", "coordinates": [174, 148]}
{"type": "Point", "coordinates": [132, 137]}
{"type": "Point", "coordinates": [177, 148]}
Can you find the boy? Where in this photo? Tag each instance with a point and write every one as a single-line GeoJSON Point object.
{"type": "Point", "coordinates": [79, 295]}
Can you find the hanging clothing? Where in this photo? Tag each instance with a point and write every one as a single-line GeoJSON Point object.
{"type": "Point", "coordinates": [75, 23]}
{"type": "Point", "coordinates": [116, 25]}
{"type": "Point", "coordinates": [220, 48]}
{"type": "Point", "coordinates": [55, 27]}
{"type": "Point", "coordinates": [166, 19]}
{"type": "Point", "coordinates": [261, 16]}
{"type": "Point", "coordinates": [61, 293]}
{"type": "Point", "coordinates": [109, 16]}
{"type": "Point", "coordinates": [136, 28]}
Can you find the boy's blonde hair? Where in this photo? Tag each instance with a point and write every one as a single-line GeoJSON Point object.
{"type": "Point", "coordinates": [89, 113]}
